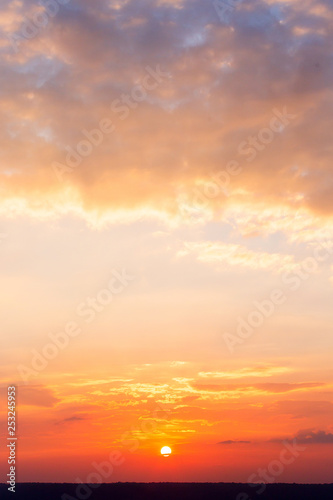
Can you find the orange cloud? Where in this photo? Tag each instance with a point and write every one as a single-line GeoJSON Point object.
{"type": "Point", "coordinates": [66, 79]}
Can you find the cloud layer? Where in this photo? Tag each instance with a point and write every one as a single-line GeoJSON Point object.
{"type": "Point", "coordinates": [223, 82]}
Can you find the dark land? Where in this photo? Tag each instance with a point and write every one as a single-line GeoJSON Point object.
{"type": "Point", "coordinates": [168, 491]}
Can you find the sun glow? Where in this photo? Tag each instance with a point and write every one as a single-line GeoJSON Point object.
{"type": "Point", "coordinates": [165, 451]}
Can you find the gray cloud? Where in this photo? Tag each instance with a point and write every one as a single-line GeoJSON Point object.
{"type": "Point", "coordinates": [309, 436]}
{"type": "Point", "coordinates": [74, 418]}
{"type": "Point", "coordinates": [314, 437]}
{"type": "Point", "coordinates": [234, 442]}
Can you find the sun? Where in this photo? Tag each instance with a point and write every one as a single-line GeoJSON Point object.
{"type": "Point", "coordinates": [166, 451]}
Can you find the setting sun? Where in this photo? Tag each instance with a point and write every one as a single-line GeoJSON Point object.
{"type": "Point", "coordinates": [166, 451]}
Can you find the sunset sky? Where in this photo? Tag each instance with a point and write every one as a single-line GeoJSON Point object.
{"type": "Point", "coordinates": [166, 217]}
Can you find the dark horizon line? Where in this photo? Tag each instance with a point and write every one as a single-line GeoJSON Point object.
{"type": "Point", "coordinates": [177, 482]}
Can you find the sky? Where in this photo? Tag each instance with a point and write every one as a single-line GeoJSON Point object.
{"type": "Point", "coordinates": [166, 239]}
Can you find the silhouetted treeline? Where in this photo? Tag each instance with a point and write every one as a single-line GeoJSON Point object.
{"type": "Point", "coordinates": [168, 491]}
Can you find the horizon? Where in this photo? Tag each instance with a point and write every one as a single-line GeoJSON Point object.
{"type": "Point", "coordinates": [178, 482]}
{"type": "Point", "coordinates": [163, 491]}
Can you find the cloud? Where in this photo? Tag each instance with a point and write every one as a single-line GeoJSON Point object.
{"type": "Point", "coordinates": [269, 388]}
{"type": "Point", "coordinates": [234, 442]}
{"type": "Point", "coordinates": [223, 254]}
{"type": "Point", "coordinates": [258, 371]}
{"type": "Point", "coordinates": [64, 80]}
{"type": "Point", "coordinates": [74, 418]}
{"type": "Point", "coordinates": [314, 437]}
{"type": "Point", "coordinates": [311, 436]}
